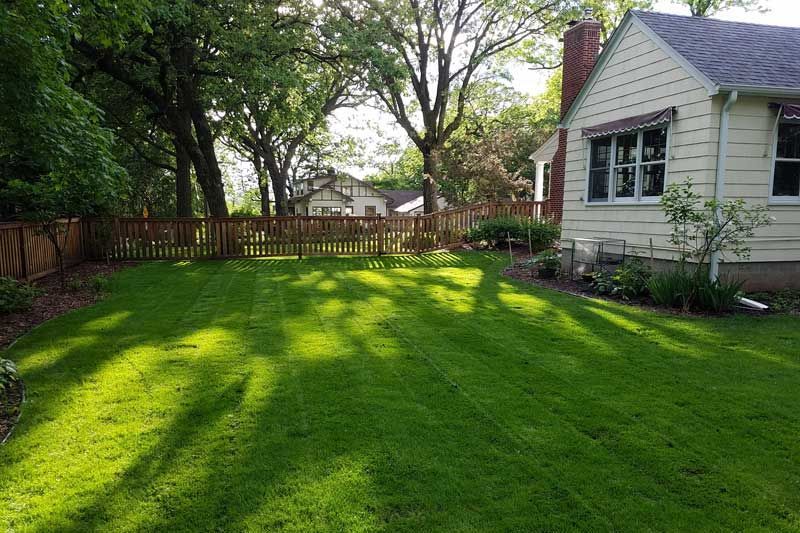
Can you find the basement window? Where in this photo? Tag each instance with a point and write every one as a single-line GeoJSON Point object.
{"type": "Point", "coordinates": [785, 185]}
{"type": "Point", "coordinates": [628, 167]}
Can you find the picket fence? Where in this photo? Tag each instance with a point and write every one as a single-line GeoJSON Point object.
{"type": "Point", "coordinates": [25, 252]}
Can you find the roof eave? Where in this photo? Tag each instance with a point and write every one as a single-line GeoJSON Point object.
{"type": "Point", "coordinates": [756, 90]}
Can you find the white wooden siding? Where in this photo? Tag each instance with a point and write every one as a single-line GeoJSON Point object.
{"type": "Point", "coordinates": [640, 78]}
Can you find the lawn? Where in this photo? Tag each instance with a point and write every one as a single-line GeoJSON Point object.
{"type": "Point", "coordinates": [401, 393]}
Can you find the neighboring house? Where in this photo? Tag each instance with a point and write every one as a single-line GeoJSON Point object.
{"type": "Point", "coordinates": [673, 97]}
{"type": "Point", "coordinates": [416, 206]}
{"type": "Point", "coordinates": [543, 157]}
{"type": "Point", "coordinates": [337, 195]}
{"type": "Point", "coordinates": [400, 198]}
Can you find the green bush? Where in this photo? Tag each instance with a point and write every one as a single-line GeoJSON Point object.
{"type": "Point", "coordinates": [719, 295]}
{"type": "Point", "coordinates": [74, 285]}
{"type": "Point", "coordinates": [495, 231]}
{"type": "Point", "coordinates": [16, 296]}
{"type": "Point", "coordinates": [8, 376]}
{"type": "Point", "coordinates": [631, 278]}
{"type": "Point", "coordinates": [99, 284]}
{"type": "Point", "coordinates": [674, 288]}
{"type": "Point", "coordinates": [548, 259]}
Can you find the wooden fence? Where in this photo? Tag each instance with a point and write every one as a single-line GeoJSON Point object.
{"type": "Point", "coordinates": [190, 238]}
{"type": "Point", "coordinates": [26, 252]}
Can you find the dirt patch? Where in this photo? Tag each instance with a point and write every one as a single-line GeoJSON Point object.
{"type": "Point", "coordinates": [10, 409]}
{"type": "Point", "coordinates": [55, 300]}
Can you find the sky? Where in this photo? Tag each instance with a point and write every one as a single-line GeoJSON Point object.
{"type": "Point", "coordinates": [374, 128]}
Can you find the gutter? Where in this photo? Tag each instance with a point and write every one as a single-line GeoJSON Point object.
{"type": "Point", "coordinates": [719, 183]}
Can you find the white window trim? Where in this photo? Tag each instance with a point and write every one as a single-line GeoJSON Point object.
{"type": "Point", "coordinates": [779, 200]}
{"type": "Point", "coordinates": [637, 199]}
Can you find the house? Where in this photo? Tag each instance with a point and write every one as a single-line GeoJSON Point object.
{"type": "Point", "coordinates": [416, 206]}
{"type": "Point", "coordinates": [542, 158]}
{"type": "Point", "coordinates": [672, 97]}
{"type": "Point", "coordinates": [398, 199]}
{"type": "Point", "coordinates": [332, 194]}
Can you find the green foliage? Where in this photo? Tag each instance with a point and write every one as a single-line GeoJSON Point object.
{"type": "Point", "coordinates": [74, 285]}
{"type": "Point", "coordinates": [673, 288]}
{"type": "Point", "coordinates": [403, 171]}
{"type": "Point", "coordinates": [709, 8]}
{"type": "Point", "coordinates": [631, 278]}
{"type": "Point", "coordinates": [9, 376]}
{"type": "Point", "coordinates": [602, 282]}
{"type": "Point", "coordinates": [719, 295]}
{"type": "Point", "coordinates": [780, 301]}
{"type": "Point", "coordinates": [497, 230]}
{"type": "Point", "coordinates": [99, 284]}
{"type": "Point", "coordinates": [16, 296]}
{"type": "Point", "coordinates": [548, 259]}
{"type": "Point", "coordinates": [703, 228]}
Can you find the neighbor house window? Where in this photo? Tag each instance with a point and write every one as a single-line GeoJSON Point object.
{"type": "Point", "coordinates": [348, 210]}
{"type": "Point", "coordinates": [326, 211]}
{"type": "Point", "coordinates": [370, 210]}
{"type": "Point", "coordinates": [786, 174]}
{"type": "Point", "coordinates": [628, 167]}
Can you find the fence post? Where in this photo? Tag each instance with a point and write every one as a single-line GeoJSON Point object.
{"type": "Point", "coordinates": [23, 255]}
{"type": "Point", "coordinates": [416, 233]}
{"type": "Point", "coordinates": [298, 239]}
{"type": "Point", "coordinates": [380, 235]}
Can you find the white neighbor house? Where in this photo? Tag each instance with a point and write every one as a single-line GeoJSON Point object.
{"type": "Point", "coordinates": [672, 97]}
{"type": "Point", "coordinates": [338, 195]}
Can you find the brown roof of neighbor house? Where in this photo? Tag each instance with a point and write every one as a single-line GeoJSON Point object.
{"type": "Point", "coordinates": [397, 198]}
{"type": "Point", "coordinates": [325, 186]}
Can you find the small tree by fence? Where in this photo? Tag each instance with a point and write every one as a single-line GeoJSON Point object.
{"type": "Point", "coordinates": [190, 238]}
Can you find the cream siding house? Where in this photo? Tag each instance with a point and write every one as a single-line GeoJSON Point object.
{"type": "Point", "coordinates": [674, 97]}
{"type": "Point", "coordinates": [338, 195]}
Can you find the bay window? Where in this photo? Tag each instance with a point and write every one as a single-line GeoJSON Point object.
{"type": "Point", "coordinates": [628, 167]}
{"type": "Point", "coordinates": [786, 171]}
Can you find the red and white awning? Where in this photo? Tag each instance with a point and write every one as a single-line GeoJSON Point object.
{"type": "Point", "coordinates": [629, 124]}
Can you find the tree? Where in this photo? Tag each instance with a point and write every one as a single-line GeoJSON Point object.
{"type": "Point", "coordinates": [181, 65]}
{"type": "Point", "coordinates": [55, 158]}
{"type": "Point", "coordinates": [610, 12]}
{"type": "Point", "coordinates": [709, 8]}
{"type": "Point", "coordinates": [424, 56]}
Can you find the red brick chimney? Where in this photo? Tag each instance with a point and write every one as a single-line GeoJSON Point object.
{"type": "Point", "coordinates": [581, 47]}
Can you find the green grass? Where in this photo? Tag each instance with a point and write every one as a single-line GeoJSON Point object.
{"type": "Point", "coordinates": [402, 393]}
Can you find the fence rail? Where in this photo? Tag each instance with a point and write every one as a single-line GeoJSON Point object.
{"type": "Point", "coordinates": [195, 238]}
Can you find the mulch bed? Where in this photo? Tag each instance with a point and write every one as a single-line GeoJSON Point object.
{"type": "Point", "coordinates": [55, 301]}
{"type": "Point", "coordinates": [583, 289]}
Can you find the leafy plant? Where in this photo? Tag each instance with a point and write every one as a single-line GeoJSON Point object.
{"type": "Point", "coordinates": [631, 278]}
{"type": "Point", "coordinates": [495, 231]}
{"type": "Point", "coordinates": [74, 285]}
{"type": "Point", "coordinates": [542, 233]}
{"type": "Point", "coordinates": [99, 284]}
{"type": "Point", "coordinates": [719, 295]}
{"type": "Point", "coordinates": [674, 288]}
{"type": "Point", "coordinates": [781, 301]}
{"type": "Point", "coordinates": [548, 260]}
{"type": "Point", "coordinates": [602, 282]}
{"type": "Point", "coordinates": [16, 296]}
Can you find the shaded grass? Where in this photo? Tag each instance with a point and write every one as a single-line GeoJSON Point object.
{"type": "Point", "coordinates": [400, 393]}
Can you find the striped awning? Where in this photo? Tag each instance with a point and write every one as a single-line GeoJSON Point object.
{"type": "Point", "coordinates": [791, 111]}
{"type": "Point", "coordinates": [629, 124]}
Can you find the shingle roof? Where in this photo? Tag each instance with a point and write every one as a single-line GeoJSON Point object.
{"type": "Point", "coordinates": [732, 53]}
{"type": "Point", "coordinates": [398, 198]}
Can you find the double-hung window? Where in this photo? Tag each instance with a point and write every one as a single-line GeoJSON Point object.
{"type": "Point", "coordinates": [786, 173]}
{"type": "Point", "coordinates": [628, 167]}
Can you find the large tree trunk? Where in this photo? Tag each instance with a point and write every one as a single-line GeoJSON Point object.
{"type": "Point", "coordinates": [430, 192]}
{"type": "Point", "coordinates": [183, 181]}
{"type": "Point", "coordinates": [263, 185]}
{"type": "Point", "coordinates": [280, 179]}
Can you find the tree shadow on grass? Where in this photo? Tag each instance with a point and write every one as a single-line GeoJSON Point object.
{"type": "Point", "coordinates": [343, 394]}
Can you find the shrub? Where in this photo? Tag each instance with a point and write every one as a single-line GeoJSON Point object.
{"type": "Point", "coordinates": [99, 284]}
{"type": "Point", "coordinates": [602, 282]}
{"type": "Point", "coordinates": [548, 259]}
{"type": "Point", "coordinates": [495, 231]}
{"type": "Point", "coordinates": [8, 377]}
{"type": "Point", "coordinates": [16, 296]}
{"type": "Point", "coordinates": [74, 285]}
{"type": "Point", "coordinates": [719, 295]}
{"type": "Point", "coordinates": [674, 288]}
{"type": "Point", "coordinates": [631, 278]}
{"type": "Point", "coordinates": [542, 233]}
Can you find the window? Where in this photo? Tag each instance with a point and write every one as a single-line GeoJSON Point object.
{"type": "Point", "coordinates": [786, 173]}
{"type": "Point", "coordinates": [370, 211]}
{"type": "Point", "coordinates": [326, 211]}
{"type": "Point", "coordinates": [348, 210]}
{"type": "Point", "coordinates": [628, 167]}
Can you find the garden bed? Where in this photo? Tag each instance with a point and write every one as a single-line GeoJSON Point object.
{"type": "Point", "coordinates": [55, 300]}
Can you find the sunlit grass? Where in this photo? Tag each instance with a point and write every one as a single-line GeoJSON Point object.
{"type": "Point", "coordinates": [399, 393]}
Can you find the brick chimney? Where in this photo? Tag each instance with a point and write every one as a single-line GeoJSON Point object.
{"type": "Point", "coordinates": [581, 47]}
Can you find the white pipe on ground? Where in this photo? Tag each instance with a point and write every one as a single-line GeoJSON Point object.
{"type": "Point", "coordinates": [719, 183]}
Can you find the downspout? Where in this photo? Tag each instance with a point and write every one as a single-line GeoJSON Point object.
{"type": "Point", "coordinates": [719, 184]}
